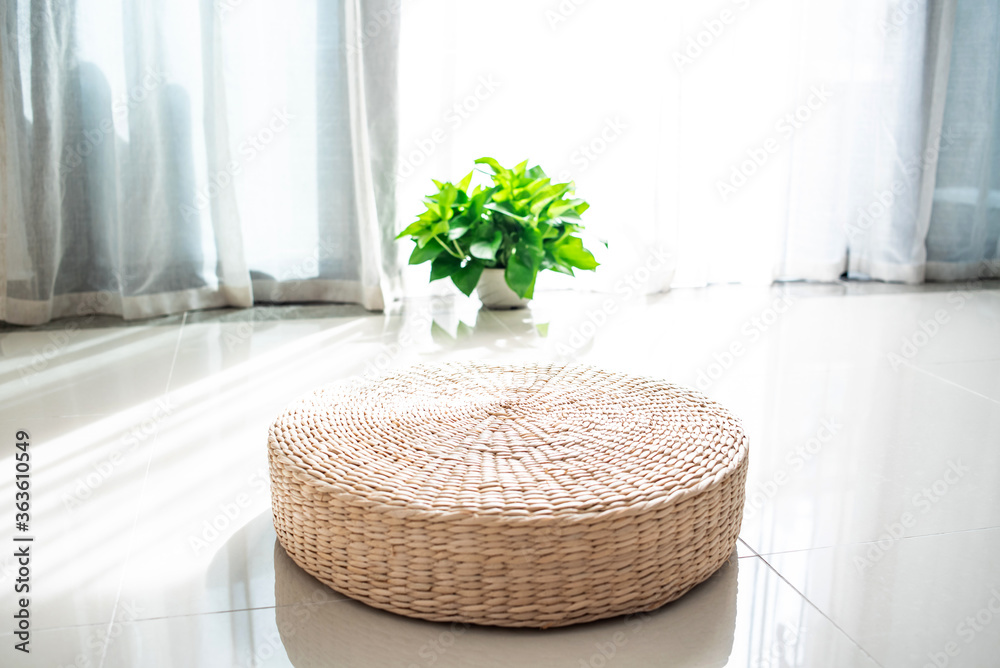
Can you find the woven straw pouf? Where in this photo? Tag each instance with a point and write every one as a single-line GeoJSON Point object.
{"type": "Point", "coordinates": [510, 495]}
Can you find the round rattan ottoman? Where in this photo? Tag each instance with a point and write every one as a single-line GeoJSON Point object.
{"type": "Point", "coordinates": [511, 495]}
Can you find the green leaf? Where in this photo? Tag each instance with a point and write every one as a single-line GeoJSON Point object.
{"type": "Point", "coordinates": [548, 231]}
{"type": "Point", "coordinates": [459, 225]}
{"type": "Point", "coordinates": [546, 195]}
{"type": "Point", "coordinates": [571, 253]}
{"type": "Point", "coordinates": [440, 227]}
{"type": "Point", "coordinates": [464, 183]}
{"type": "Point", "coordinates": [535, 172]}
{"type": "Point", "coordinates": [559, 207]}
{"type": "Point", "coordinates": [506, 209]}
{"type": "Point", "coordinates": [492, 163]}
{"type": "Point", "coordinates": [521, 272]}
{"type": "Point", "coordinates": [536, 185]}
{"type": "Point", "coordinates": [561, 269]}
{"type": "Point", "coordinates": [487, 250]}
{"type": "Point", "coordinates": [445, 199]}
{"type": "Point", "coordinates": [413, 229]}
{"type": "Point", "coordinates": [444, 265]}
{"type": "Point", "coordinates": [474, 209]}
{"type": "Point", "coordinates": [425, 253]}
{"type": "Point", "coordinates": [458, 231]}
{"type": "Point", "coordinates": [569, 220]}
{"type": "Point", "coordinates": [466, 278]}
{"type": "Point", "coordinates": [520, 193]}
{"type": "Point", "coordinates": [520, 167]}
{"type": "Point", "coordinates": [537, 207]}
{"type": "Point", "coordinates": [531, 239]}
{"type": "Point", "coordinates": [558, 189]}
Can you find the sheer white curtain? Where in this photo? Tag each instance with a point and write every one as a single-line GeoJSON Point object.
{"type": "Point", "coordinates": [744, 141]}
{"type": "Point", "coordinates": [158, 157]}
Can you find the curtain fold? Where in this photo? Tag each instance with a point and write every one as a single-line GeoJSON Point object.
{"type": "Point", "coordinates": [160, 157]}
{"type": "Point", "coordinates": [887, 236]}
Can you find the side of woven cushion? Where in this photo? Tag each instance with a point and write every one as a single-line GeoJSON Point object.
{"type": "Point", "coordinates": [537, 571]}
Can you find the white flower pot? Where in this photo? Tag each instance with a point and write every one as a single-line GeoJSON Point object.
{"type": "Point", "coordinates": [494, 292]}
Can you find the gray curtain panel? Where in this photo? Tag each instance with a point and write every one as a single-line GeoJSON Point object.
{"type": "Point", "coordinates": [933, 207]}
{"type": "Point", "coordinates": [963, 237]}
{"type": "Point", "coordinates": [159, 157]}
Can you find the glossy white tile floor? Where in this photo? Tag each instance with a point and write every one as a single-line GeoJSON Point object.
{"type": "Point", "coordinates": [872, 520]}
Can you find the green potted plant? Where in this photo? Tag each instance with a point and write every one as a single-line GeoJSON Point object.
{"type": "Point", "coordinates": [498, 238]}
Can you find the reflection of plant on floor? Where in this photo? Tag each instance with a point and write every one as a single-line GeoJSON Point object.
{"type": "Point", "coordinates": [501, 330]}
{"type": "Point", "coordinates": [523, 224]}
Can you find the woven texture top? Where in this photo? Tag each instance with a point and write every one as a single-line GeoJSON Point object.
{"type": "Point", "coordinates": [514, 440]}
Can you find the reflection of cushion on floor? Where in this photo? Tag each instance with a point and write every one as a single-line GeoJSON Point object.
{"type": "Point", "coordinates": [529, 495]}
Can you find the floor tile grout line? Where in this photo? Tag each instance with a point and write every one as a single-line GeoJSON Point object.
{"type": "Point", "coordinates": [868, 542]}
{"type": "Point", "coordinates": [184, 615]}
{"type": "Point", "coordinates": [823, 614]}
{"type": "Point", "coordinates": [177, 349]}
{"type": "Point", "coordinates": [754, 552]}
{"type": "Point", "coordinates": [949, 382]}
{"type": "Point", "coordinates": [138, 510]}
{"type": "Point", "coordinates": [128, 554]}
